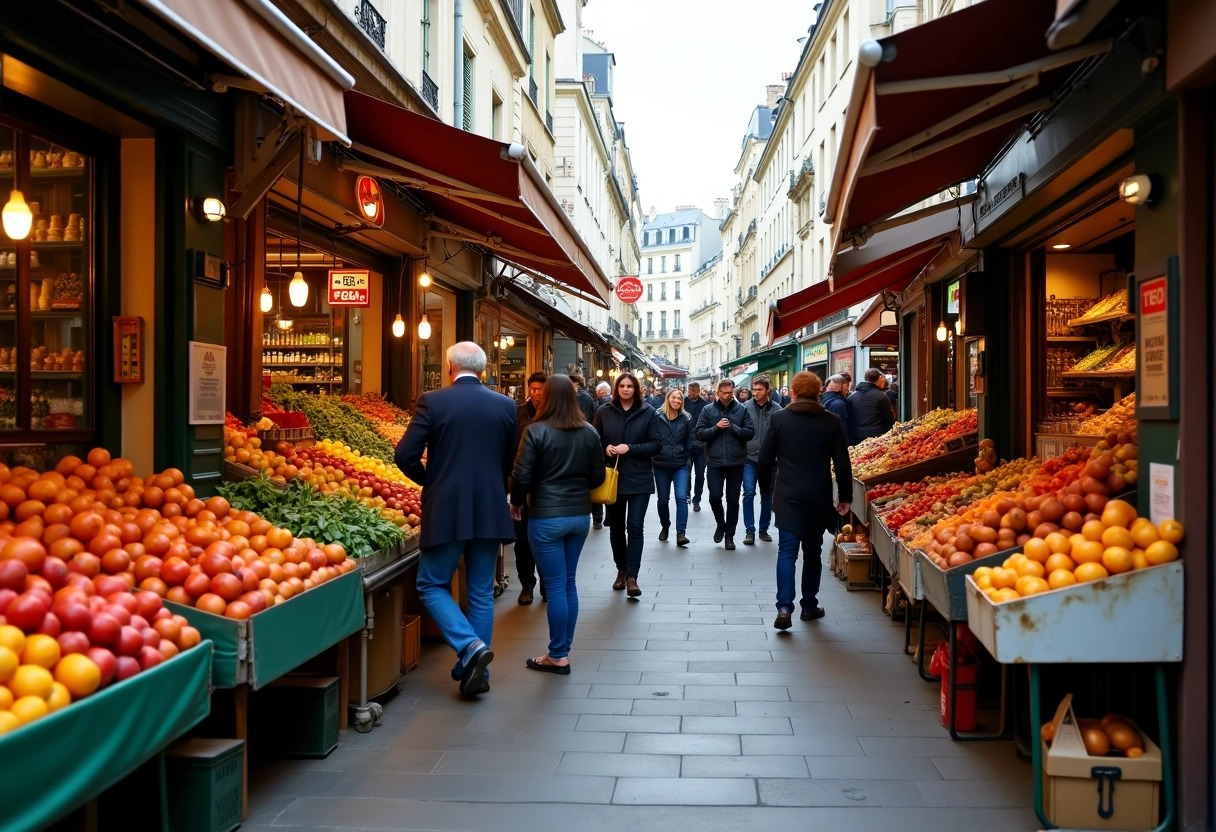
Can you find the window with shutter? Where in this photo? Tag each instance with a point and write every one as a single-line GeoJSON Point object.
{"type": "Point", "coordinates": [468, 92]}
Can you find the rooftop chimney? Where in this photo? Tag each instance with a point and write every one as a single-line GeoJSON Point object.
{"type": "Point", "coordinates": [773, 92]}
{"type": "Point", "coordinates": [721, 208]}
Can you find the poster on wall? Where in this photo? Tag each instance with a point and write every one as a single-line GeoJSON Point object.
{"type": "Point", "coordinates": [1155, 295]}
{"type": "Point", "coordinates": [842, 362]}
{"type": "Point", "coordinates": [208, 379]}
{"type": "Point", "coordinates": [816, 353]}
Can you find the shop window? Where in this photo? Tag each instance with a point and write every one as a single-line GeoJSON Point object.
{"type": "Point", "coordinates": [46, 339]}
{"type": "Point", "coordinates": [305, 347]}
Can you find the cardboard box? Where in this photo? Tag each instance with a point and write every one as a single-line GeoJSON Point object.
{"type": "Point", "coordinates": [1078, 789]}
{"type": "Point", "coordinates": [856, 558]}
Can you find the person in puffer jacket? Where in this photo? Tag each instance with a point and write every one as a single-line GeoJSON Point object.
{"type": "Point", "coordinates": [725, 427]}
{"type": "Point", "coordinates": [671, 463]}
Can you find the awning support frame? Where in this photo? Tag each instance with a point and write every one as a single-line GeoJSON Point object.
{"type": "Point", "coordinates": [1003, 76]}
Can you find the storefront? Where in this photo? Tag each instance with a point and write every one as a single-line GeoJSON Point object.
{"type": "Point", "coordinates": [815, 358]}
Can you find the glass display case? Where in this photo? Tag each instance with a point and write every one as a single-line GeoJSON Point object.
{"type": "Point", "coordinates": [46, 285]}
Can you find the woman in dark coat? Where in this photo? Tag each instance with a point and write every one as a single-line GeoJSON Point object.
{"type": "Point", "coordinates": [671, 463]}
{"type": "Point", "coordinates": [630, 437]}
{"type": "Point", "coordinates": [804, 442]}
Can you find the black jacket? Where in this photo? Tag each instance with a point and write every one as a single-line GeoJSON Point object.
{"type": "Point", "coordinates": [838, 404]}
{"type": "Point", "coordinates": [725, 447]}
{"type": "Point", "coordinates": [556, 469]}
{"type": "Point", "coordinates": [638, 429]}
{"type": "Point", "coordinates": [586, 403]}
{"type": "Point", "coordinates": [869, 411]}
{"type": "Point", "coordinates": [524, 414]}
{"type": "Point", "coordinates": [760, 417]}
{"type": "Point", "coordinates": [804, 443]}
{"type": "Point", "coordinates": [675, 436]}
{"type": "Point", "coordinates": [693, 408]}
{"type": "Point", "coordinates": [655, 400]}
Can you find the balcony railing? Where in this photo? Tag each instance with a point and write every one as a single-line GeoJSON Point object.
{"type": "Point", "coordinates": [515, 8]}
{"type": "Point", "coordinates": [832, 320]}
{"type": "Point", "coordinates": [650, 333]}
{"type": "Point", "coordinates": [630, 338]}
{"type": "Point", "coordinates": [662, 333]}
{"type": "Point", "coordinates": [533, 90]}
{"type": "Point", "coordinates": [371, 22]}
{"type": "Point", "coordinates": [549, 120]}
{"type": "Point", "coordinates": [614, 326]}
{"type": "Point", "coordinates": [678, 332]}
{"type": "Point", "coordinates": [430, 91]}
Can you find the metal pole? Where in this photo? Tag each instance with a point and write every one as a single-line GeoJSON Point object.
{"type": "Point", "coordinates": [458, 66]}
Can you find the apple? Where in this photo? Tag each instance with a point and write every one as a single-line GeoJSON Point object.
{"type": "Point", "coordinates": [151, 638]}
{"type": "Point", "coordinates": [127, 666]}
{"type": "Point", "coordinates": [27, 611]}
{"type": "Point", "coordinates": [6, 598]}
{"type": "Point", "coordinates": [55, 570]}
{"type": "Point", "coordinates": [73, 615]}
{"type": "Point", "coordinates": [50, 625]}
{"type": "Point", "coordinates": [12, 574]}
{"type": "Point", "coordinates": [150, 656]}
{"type": "Point", "coordinates": [105, 660]}
{"type": "Point", "coordinates": [105, 629]}
{"type": "Point", "coordinates": [129, 641]}
{"type": "Point", "coordinates": [123, 598]}
{"type": "Point", "coordinates": [72, 641]}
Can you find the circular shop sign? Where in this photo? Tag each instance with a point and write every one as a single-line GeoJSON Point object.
{"type": "Point", "coordinates": [629, 289]}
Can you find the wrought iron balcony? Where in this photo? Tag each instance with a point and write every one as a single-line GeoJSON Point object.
{"type": "Point", "coordinates": [371, 22]}
{"type": "Point", "coordinates": [662, 333]}
{"type": "Point", "coordinates": [650, 333]}
{"type": "Point", "coordinates": [678, 332]}
{"type": "Point", "coordinates": [515, 8]}
{"type": "Point", "coordinates": [549, 120]}
{"type": "Point", "coordinates": [533, 91]}
{"type": "Point", "coordinates": [630, 338]}
{"type": "Point", "coordinates": [614, 326]}
{"type": "Point", "coordinates": [430, 92]}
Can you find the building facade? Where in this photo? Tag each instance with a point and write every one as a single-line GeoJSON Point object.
{"type": "Point", "coordinates": [674, 246]}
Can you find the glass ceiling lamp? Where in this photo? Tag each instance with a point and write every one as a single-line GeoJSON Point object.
{"type": "Point", "coordinates": [17, 217]}
{"type": "Point", "coordinates": [424, 328]}
{"type": "Point", "coordinates": [298, 289]}
{"type": "Point", "coordinates": [398, 326]}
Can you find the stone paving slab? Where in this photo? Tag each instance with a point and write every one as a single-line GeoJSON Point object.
{"type": "Point", "coordinates": [685, 709]}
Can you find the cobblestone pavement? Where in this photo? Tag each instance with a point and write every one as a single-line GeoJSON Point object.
{"type": "Point", "coordinates": [685, 709]}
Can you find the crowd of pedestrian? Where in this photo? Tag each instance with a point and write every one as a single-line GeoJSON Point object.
{"type": "Point", "coordinates": [497, 473]}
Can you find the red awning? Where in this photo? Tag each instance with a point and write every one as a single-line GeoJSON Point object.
{"type": "Point", "coordinates": [891, 259]}
{"type": "Point", "coordinates": [933, 105]}
{"type": "Point", "coordinates": [871, 332]}
{"type": "Point", "coordinates": [482, 191]}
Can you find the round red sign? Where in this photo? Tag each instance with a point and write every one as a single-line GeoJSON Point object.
{"type": "Point", "coordinates": [629, 289]}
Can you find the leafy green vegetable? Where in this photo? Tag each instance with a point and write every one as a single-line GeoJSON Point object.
{"type": "Point", "coordinates": [335, 420]}
{"type": "Point", "coordinates": [326, 518]}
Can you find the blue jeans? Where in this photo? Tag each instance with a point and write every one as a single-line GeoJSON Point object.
{"type": "Point", "coordinates": [812, 569]}
{"type": "Point", "coordinates": [749, 500]}
{"type": "Point", "coordinates": [556, 544]}
{"type": "Point", "coordinates": [664, 479]}
{"type": "Point", "coordinates": [436, 566]}
{"type": "Point", "coordinates": [625, 518]}
{"type": "Point", "coordinates": [696, 465]}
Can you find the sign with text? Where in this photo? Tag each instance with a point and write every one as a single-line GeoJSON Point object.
{"type": "Point", "coordinates": [208, 375]}
{"type": "Point", "coordinates": [629, 289]}
{"type": "Point", "coordinates": [816, 353]}
{"type": "Point", "coordinates": [350, 287]}
{"type": "Point", "coordinates": [1154, 293]}
{"type": "Point", "coordinates": [842, 338]}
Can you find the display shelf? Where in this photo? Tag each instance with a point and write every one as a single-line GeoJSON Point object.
{"type": "Point", "coordinates": [1071, 339]}
{"type": "Point", "coordinates": [45, 314]}
{"type": "Point", "coordinates": [57, 244]}
{"type": "Point", "coordinates": [909, 576]}
{"type": "Point", "coordinates": [1098, 374]}
{"type": "Point", "coordinates": [946, 463]}
{"type": "Point", "coordinates": [1102, 319]}
{"type": "Point", "coordinates": [300, 364]}
{"type": "Point", "coordinates": [1068, 392]}
{"type": "Point", "coordinates": [883, 542]}
{"type": "Point", "coordinates": [49, 173]}
{"type": "Point", "coordinates": [73, 755]}
{"type": "Point", "coordinates": [945, 588]}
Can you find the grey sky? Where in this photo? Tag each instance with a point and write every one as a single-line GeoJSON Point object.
{"type": "Point", "coordinates": [688, 74]}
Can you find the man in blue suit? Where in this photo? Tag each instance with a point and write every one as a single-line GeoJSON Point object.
{"type": "Point", "coordinates": [468, 434]}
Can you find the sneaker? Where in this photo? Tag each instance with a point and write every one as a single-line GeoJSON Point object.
{"type": "Point", "coordinates": [719, 533]}
{"type": "Point", "coordinates": [663, 533]}
{"type": "Point", "coordinates": [749, 539]}
{"type": "Point", "coordinates": [681, 539]}
{"type": "Point", "coordinates": [696, 506]}
{"type": "Point", "coordinates": [730, 543]}
{"type": "Point", "coordinates": [812, 614]}
{"type": "Point", "coordinates": [766, 537]}
{"type": "Point", "coordinates": [783, 620]}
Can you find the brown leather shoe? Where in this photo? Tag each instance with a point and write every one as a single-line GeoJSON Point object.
{"type": "Point", "coordinates": [620, 579]}
{"type": "Point", "coordinates": [634, 589]}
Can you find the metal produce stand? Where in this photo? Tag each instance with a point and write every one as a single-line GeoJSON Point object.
{"type": "Point", "coordinates": [379, 570]}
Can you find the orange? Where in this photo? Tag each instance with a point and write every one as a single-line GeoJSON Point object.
{"type": "Point", "coordinates": [41, 650]}
{"type": "Point", "coordinates": [1144, 533]}
{"type": "Point", "coordinates": [1093, 529]}
{"type": "Point", "coordinates": [1027, 567]}
{"type": "Point", "coordinates": [1118, 536]}
{"type": "Point", "coordinates": [59, 698]}
{"type": "Point", "coordinates": [1060, 578]}
{"type": "Point", "coordinates": [1058, 543]}
{"type": "Point", "coordinates": [1087, 551]}
{"type": "Point", "coordinates": [1059, 562]}
{"type": "Point", "coordinates": [1171, 531]}
{"type": "Point", "coordinates": [1006, 594]}
{"type": "Point", "coordinates": [1003, 578]}
{"type": "Point", "coordinates": [1160, 552]}
{"type": "Point", "coordinates": [1139, 561]}
{"type": "Point", "coordinates": [991, 593]}
{"type": "Point", "coordinates": [1118, 513]}
{"type": "Point", "coordinates": [1117, 559]}
{"type": "Point", "coordinates": [1029, 585]}
{"type": "Point", "coordinates": [8, 722]}
{"type": "Point", "coordinates": [78, 674]}
{"type": "Point", "coordinates": [12, 638]}
{"type": "Point", "coordinates": [1012, 561]}
{"type": "Point", "coordinates": [1037, 550]}
{"type": "Point", "coordinates": [984, 581]}
{"type": "Point", "coordinates": [31, 680]}
{"type": "Point", "coordinates": [29, 708]}
{"type": "Point", "coordinates": [8, 664]}
{"type": "Point", "coordinates": [1091, 572]}
{"type": "Point", "coordinates": [6, 700]}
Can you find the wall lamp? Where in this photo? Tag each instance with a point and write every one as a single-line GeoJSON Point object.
{"type": "Point", "coordinates": [1141, 189]}
{"type": "Point", "coordinates": [213, 209]}
{"type": "Point", "coordinates": [18, 219]}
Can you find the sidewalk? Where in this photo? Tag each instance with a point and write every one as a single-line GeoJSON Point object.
{"type": "Point", "coordinates": [684, 709]}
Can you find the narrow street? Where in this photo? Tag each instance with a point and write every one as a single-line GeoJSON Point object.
{"type": "Point", "coordinates": [685, 709]}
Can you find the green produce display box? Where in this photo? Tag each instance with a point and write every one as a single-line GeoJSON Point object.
{"type": "Point", "coordinates": [63, 761]}
{"type": "Point", "coordinates": [297, 716]}
{"type": "Point", "coordinates": [263, 648]}
{"type": "Point", "coordinates": [205, 784]}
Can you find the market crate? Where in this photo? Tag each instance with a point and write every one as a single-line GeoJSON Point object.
{"type": "Point", "coordinates": [205, 784]}
{"type": "Point", "coordinates": [860, 506]}
{"type": "Point", "coordinates": [411, 642]}
{"type": "Point", "coordinates": [883, 540]}
{"type": "Point", "coordinates": [1132, 617]}
{"type": "Point", "coordinates": [908, 573]}
{"type": "Point", "coordinates": [1048, 445]}
{"type": "Point", "coordinates": [296, 716]}
{"type": "Point", "coordinates": [946, 589]}
{"type": "Point", "coordinates": [856, 558]}
{"type": "Point", "coordinates": [293, 435]}
{"type": "Point", "coordinates": [236, 472]}
{"type": "Point", "coordinates": [947, 463]}
{"type": "Point", "coordinates": [383, 650]}
{"type": "Point", "coordinates": [967, 440]}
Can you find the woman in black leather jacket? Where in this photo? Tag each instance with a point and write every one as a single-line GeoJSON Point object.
{"type": "Point", "coordinates": [629, 432]}
{"type": "Point", "coordinates": [671, 463]}
{"type": "Point", "coordinates": [558, 464]}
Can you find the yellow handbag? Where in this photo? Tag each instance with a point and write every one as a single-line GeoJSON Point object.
{"type": "Point", "coordinates": [605, 492]}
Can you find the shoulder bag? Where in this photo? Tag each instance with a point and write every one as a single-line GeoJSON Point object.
{"type": "Point", "coordinates": [605, 492]}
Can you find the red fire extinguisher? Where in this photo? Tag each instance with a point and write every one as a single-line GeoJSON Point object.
{"type": "Point", "coordinates": [964, 688]}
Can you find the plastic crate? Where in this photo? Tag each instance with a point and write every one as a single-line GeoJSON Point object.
{"type": "Point", "coordinates": [296, 716]}
{"type": "Point", "coordinates": [205, 784]}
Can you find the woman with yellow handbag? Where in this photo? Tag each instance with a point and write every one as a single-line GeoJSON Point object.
{"type": "Point", "coordinates": [629, 436]}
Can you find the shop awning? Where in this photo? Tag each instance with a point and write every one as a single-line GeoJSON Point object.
{"type": "Point", "coordinates": [481, 191]}
{"type": "Point", "coordinates": [770, 356]}
{"type": "Point", "coordinates": [890, 259]}
{"type": "Point", "coordinates": [933, 105]}
{"type": "Point", "coordinates": [742, 378]}
{"type": "Point", "coordinates": [262, 44]}
{"type": "Point", "coordinates": [1075, 19]}
{"type": "Point", "coordinates": [871, 332]}
{"type": "Point", "coordinates": [572, 328]}
{"type": "Point", "coordinates": [667, 369]}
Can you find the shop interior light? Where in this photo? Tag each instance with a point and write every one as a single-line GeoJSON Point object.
{"type": "Point", "coordinates": [942, 332]}
{"type": "Point", "coordinates": [424, 280]}
{"type": "Point", "coordinates": [1061, 246]}
{"type": "Point", "coordinates": [424, 329]}
{"type": "Point", "coordinates": [17, 217]}
{"type": "Point", "coordinates": [297, 290]}
{"type": "Point", "coordinates": [214, 209]}
{"type": "Point", "coordinates": [1141, 189]}
{"type": "Point", "coordinates": [958, 326]}
{"type": "Point", "coordinates": [284, 323]}
{"type": "Point", "coordinates": [599, 373]}
{"type": "Point", "coordinates": [398, 326]}
{"type": "Point", "coordinates": [266, 303]}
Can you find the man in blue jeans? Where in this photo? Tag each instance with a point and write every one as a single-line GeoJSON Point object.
{"type": "Point", "coordinates": [693, 405]}
{"type": "Point", "coordinates": [760, 407]}
{"type": "Point", "coordinates": [467, 432]}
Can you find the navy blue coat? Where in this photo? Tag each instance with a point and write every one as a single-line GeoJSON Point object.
{"type": "Point", "coordinates": [468, 433]}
